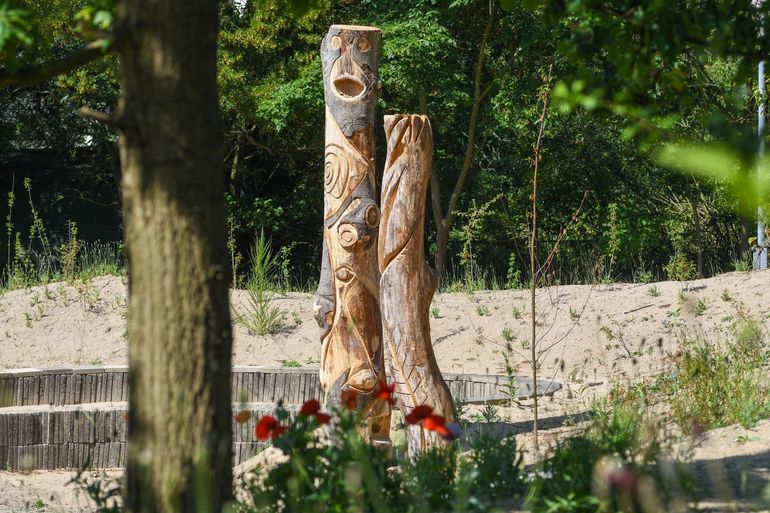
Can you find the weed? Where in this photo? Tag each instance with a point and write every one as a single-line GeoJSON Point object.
{"type": "Point", "coordinates": [296, 318]}
{"type": "Point", "coordinates": [291, 364]}
{"type": "Point", "coordinates": [435, 312]}
{"type": "Point", "coordinates": [489, 413]}
{"type": "Point", "coordinates": [482, 310]}
{"type": "Point", "coordinates": [516, 312]}
{"type": "Point", "coordinates": [511, 386]}
{"type": "Point", "coordinates": [574, 314]}
{"type": "Point", "coordinates": [259, 316]}
{"type": "Point", "coordinates": [644, 277]}
{"type": "Point", "coordinates": [741, 265]}
{"type": "Point", "coordinates": [680, 268]}
{"type": "Point", "coordinates": [700, 307]}
{"type": "Point", "coordinates": [235, 257]}
{"type": "Point", "coordinates": [716, 386]}
{"type": "Point", "coordinates": [507, 334]}
{"type": "Point", "coordinates": [607, 332]}
{"type": "Point", "coordinates": [68, 253]}
{"type": "Point", "coordinates": [27, 320]}
{"type": "Point", "coordinates": [681, 297]}
{"type": "Point", "coordinates": [726, 296]}
{"type": "Point", "coordinates": [653, 291]}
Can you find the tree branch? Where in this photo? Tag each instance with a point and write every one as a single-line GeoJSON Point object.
{"type": "Point", "coordinates": [35, 74]}
{"type": "Point", "coordinates": [477, 97]}
{"type": "Point", "coordinates": [101, 117]}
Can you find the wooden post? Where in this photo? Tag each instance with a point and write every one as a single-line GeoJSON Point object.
{"type": "Point", "coordinates": [346, 304]}
{"type": "Point", "coordinates": [408, 283]}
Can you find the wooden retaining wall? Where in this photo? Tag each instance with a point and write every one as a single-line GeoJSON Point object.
{"type": "Point", "coordinates": [251, 384]}
{"type": "Point", "coordinates": [67, 418]}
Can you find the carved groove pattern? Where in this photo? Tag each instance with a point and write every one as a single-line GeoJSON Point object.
{"type": "Point", "coordinates": [407, 284]}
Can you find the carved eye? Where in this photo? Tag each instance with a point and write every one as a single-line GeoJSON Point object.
{"type": "Point", "coordinates": [372, 216]}
{"type": "Point", "coordinates": [336, 42]}
{"type": "Point", "coordinates": [364, 45]}
{"type": "Point", "coordinates": [344, 274]}
{"type": "Point", "coordinates": [348, 235]}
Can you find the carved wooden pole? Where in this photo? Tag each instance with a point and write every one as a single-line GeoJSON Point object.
{"type": "Point", "coordinates": [407, 284]}
{"type": "Point", "coordinates": [346, 305]}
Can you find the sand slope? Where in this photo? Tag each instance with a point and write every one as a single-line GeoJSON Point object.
{"type": "Point", "coordinates": [598, 332]}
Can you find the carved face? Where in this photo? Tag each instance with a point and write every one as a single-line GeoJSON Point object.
{"type": "Point", "coordinates": [351, 57]}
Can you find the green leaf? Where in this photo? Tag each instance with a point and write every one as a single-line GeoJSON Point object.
{"type": "Point", "coordinates": [508, 5]}
{"type": "Point", "coordinates": [530, 5]}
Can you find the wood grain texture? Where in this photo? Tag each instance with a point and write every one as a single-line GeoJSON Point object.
{"type": "Point", "coordinates": [407, 284]}
{"type": "Point", "coordinates": [346, 304]}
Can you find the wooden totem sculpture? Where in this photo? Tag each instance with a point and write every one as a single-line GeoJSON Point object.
{"type": "Point", "coordinates": [346, 304]}
{"type": "Point", "coordinates": [408, 284]}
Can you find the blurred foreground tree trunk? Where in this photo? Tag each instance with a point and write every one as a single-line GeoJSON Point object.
{"type": "Point", "coordinates": [179, 449]}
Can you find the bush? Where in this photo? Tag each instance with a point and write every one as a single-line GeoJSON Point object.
{"type": "Point", "coordinates": [718, 386]}
{"type": "Point", "coordinates": [680, 268]}
{"type": "Point", "coordinates": [335, 469]}
{"type": "Point", "coordinates": [611, 467]}
{"type": "Point", "coordinates": [259, 316]}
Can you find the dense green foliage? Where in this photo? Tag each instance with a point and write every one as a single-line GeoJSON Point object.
{"type": "Point", "coordinates": [626, 77]}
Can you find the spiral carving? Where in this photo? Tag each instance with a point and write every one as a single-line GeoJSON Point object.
{"type": "Point", "coordinates": [336, 170]}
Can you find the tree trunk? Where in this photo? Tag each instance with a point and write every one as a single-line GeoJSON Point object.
{"type": "Point", "coordinates": [179, 428]}
{"type": "Point", "coordinates": [445, 224]}
{"type": "Point", "coordinates": [408, 284]}
{"type": "Point", "coordinates": [346, 305]}
{"type": "Point", "coordinates": [696, 223]}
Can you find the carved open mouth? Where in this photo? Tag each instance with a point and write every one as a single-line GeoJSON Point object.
{"type": "Point", "coordinates": [348, 86]}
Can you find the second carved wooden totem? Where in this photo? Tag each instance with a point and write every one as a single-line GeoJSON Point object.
{"type": "Point", "coordinates": [355, 309]}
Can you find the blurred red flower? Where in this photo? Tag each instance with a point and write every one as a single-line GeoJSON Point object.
{"type": "Point", "coordinates": [310, 407]}
{"type": "Point", "coordinates": [385, 392]}
{"type": "Point", "coordinates": [349, 399]}
{"type": "Point", "coordinates": [313, 408]}
{"type": "Point", "coordinates": [269, 427]}
{"type": "Point", "coordinates": [418, 414]}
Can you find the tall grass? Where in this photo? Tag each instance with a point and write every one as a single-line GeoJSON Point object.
{"type": "Point", "coordinates": [260, 316]}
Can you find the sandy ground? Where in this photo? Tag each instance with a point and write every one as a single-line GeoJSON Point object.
{"type": "Point", "coordinates": [589, 337]}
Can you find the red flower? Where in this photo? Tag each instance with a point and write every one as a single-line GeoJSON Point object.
{"type": "Point", "coordinates": [323, 418]}
{"type": "Point", "coordinates": [433, 422]}
{"type": "Point", "coordinates": [349, 399]}
{"type": "Point", "coordinates": [418, 414]}
{"type": "Point", "coordinates": [268, 427]}
{"type": "Point", "coordinates": [242, 416]}
{"type": "Point", "coordinates": [385, 392]}
{"type": "Point", "coordinates": [313, 408]}
{"type": "Point", "coordinates": [438, 425]}
{"type": "Point", "coordinates": [310, 407]}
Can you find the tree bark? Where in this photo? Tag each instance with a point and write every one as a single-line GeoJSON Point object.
{"type": "Point", "coordinates": [696, 224]}
{"type": "Point", "coordinates": [444, 223]}
{"type": "Point", "coordinates": [179, 428]}
{"type": "Point", "coordinates": [407, 284]}
{"type": "Point", "coordinates": [346, 305]}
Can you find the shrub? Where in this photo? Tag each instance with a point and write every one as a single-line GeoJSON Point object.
{"type": "Point", "coordinates": [335, 469]}
{"type": "Point", "coordinates": [260, 316]}
{"type": "Point", "coordinates": [680, 268]}
{"type": "Point", "coordinates": [717, 386]}
{"type": "Point", "coordinates": [611, 467]}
